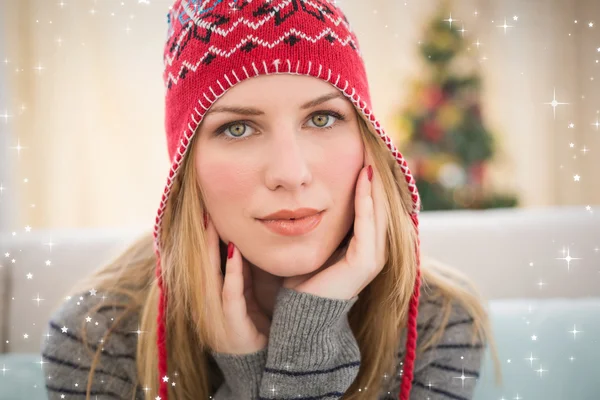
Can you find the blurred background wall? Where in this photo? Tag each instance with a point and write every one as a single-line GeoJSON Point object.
{"type": "Point", "coordinates": [81, 100]}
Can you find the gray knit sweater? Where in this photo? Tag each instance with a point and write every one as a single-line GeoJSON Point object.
{"type": "Point", "coordinates": [311, 354]}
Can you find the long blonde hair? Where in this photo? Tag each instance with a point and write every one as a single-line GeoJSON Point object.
{"type": "Point", "coordinates": [377, 318]}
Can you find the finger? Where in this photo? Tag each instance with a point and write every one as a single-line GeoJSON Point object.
{"type": "Point", "coordinates": [212, 240]}
{"type": "Point", "coordinates": [364, 222]}
{"type": "Point", "coordinates": [234, 302]}
{"type": "Point", "coordinates": [380, 213]}
{"type": "Point", "coordinates": [380, 218]}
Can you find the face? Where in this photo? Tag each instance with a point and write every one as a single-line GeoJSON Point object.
{"type": "Point", "coordinates": [280, 142]}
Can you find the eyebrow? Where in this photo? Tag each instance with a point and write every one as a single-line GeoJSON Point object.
{"type": "Point", "coordinates": [255, 111]}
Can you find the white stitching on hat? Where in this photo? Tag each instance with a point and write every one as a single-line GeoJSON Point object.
{"type": "Point", "coordinates": [202, 105]}
{"type": "Point", "coordinates": [320, 69]}
{"type": "Point", "coordinates": [297, 66]}
{"type": "Point", "coordinates": [255, 69]}
{"type": "Point", "coordinates": [266, 68]}
{"type": "Point", "coordinates": [236, 77]}
{"type": "Point", "coordinates": [222, 88]}
{"type": "Point", "coordinates": [276, 63]}
{"type": "Point", "coordinates": [228, 81]}
{"type": "Point", "coordinates": [289, 63]}
{"type": "Point", "coordinates": [309, 67]}
{"type": "Point", "coordinates": [244, 68]}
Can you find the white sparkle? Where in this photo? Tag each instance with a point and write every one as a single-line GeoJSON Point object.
{"type": "Point", "coordinates": [18, 147]}
{"type": "Point", "coordinates": [575, 332]}
{"type": "Point", "coordinates": [463, 377]}
{"type": "Point", "coordinates": [541, 371]}
{"type": "Point", "coordinates": [531, 358]}
{"type": "Point", "coordinates": [451, 20]}
{"type": "Point", "coordinates": [555, 103]}
{"type": "Point", "coordinates": [505, 26]}
{"type": "Point", "coordinates": [39, 68]}
{"type": "Point", "coordinates": [6, 116]}
{"type": "Point", "coordinates": [38, 299]}
{"type": "Point", "coordinates": [568, 258]}
{"type": "Point", "coordinates": [41, 362]}
{"type": "Point", "coordinates": [585, 150]}
{"type": "Point", "coordinates": [541, 285]}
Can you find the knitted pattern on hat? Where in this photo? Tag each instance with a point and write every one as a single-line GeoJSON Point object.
{"type": "Point", "coordinates": [213, 45]}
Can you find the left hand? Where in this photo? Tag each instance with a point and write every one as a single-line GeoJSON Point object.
{"type": "Point", "coordinates": [366, 253]}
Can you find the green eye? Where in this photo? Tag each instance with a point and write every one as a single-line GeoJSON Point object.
{"type": "Point", "coordinates": [237, 129]}
{"type": "Point", "coordinates": [320, 120]}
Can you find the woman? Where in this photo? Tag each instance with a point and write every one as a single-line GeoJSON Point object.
{"type": "Point", "coordinates": [268, 109]}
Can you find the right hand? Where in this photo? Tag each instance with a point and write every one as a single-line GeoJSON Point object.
{"type": "Point", "coordinates": [247, 325]}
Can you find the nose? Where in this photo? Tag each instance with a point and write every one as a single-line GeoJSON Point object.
{"type": "Point", "coordinates": [288, 161]}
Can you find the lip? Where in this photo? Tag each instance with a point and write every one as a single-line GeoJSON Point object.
{"type": "Point", "coordinates": [300, 226]}
{"type": "Point", "coordinates": [287, 214]}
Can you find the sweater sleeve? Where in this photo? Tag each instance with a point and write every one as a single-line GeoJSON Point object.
{"type": "Point", "coordinates": [449, 369]}
{"type": "Point", "coordinates": [68, 359]}
{"type": "Point", "coordinates": [312, 352]}
{"type": "Point", "coordinates": [242, 374]}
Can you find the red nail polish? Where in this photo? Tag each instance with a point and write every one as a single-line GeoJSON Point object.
{"type": "Point", "coordinates": [370, 173]}
{"type": "Point", "coordinates": [230, 250]}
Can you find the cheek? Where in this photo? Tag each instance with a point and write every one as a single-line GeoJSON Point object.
{"type": "Point", "coordinates": [225, 184]}
{"type": "Point", "coordinates": [343, 164]}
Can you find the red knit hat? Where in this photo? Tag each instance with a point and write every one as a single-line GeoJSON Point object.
{"type": "Point", "coordinates": [214, 44]}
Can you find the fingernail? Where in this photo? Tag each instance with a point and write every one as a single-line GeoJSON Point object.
{"type": "Point", "coordinates": [205, 220]}
{"type": "Point", "coordinates": [370, 173]}
{"type": "Point", "coordinates": [230, 247]}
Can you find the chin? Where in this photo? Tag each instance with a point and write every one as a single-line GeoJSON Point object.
{"type": "Point", "coordinates": [294, 263]}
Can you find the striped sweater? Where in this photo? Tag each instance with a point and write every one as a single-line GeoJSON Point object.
{"type": "Point", "coordinates": [311, 354]}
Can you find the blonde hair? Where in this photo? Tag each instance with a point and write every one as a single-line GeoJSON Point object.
{"type": "Point", "coordinates": [377, 318]}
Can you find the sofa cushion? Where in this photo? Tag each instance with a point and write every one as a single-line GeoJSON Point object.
{"type": "Point", "coordinates": [23, 378]}
{"type": "Point", "coordinates": [543, 368]}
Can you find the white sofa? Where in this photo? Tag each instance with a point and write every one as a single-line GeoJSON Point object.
{"type": "Point", "coordinates": [507, 252]}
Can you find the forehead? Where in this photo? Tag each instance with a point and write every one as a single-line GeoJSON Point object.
{"type": "Point", "coordinates": [277, 89]}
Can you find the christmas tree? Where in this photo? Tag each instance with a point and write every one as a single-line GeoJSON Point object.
{"type": "Point", "coordinates": [446, 142]}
